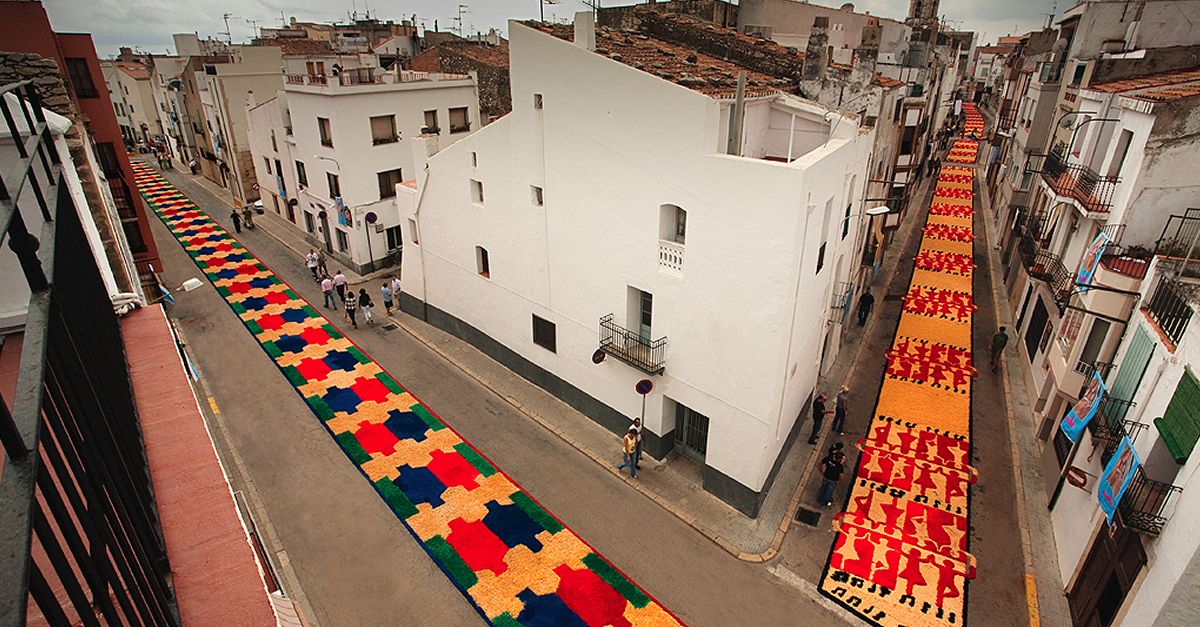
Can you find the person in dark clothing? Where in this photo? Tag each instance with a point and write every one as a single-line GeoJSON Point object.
{"type": "Point", "coordinates": [818, 416]}
{"type": "Point", "coordinates": [832, 468]}
{"type": "Point", "coordinates": [865, 302]}
{"type": "Point", "coordinates": [237, 220]}
{"type": "Point", "coordinates": [351, 303]}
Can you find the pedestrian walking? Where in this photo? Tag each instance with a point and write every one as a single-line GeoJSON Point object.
{"type": "Point", "coordinates": [818, 416]}
{"type": "Point", "coordinates": [193, 166]}
{"type": "Point", "coordinates": [396, 287]}
{"type": "Point", "coordinates": [351, 306]}
{"type": "Point", "coordinates": [310, 260]}
{"type": "Point", "coordinates": [839, 410]}
{"type": "Point", "coordinates": [364, 303]}
{"type": "Point", "coordinates": [628, 451]}
{"type": "Point", "coordinates": [386, 291]}
{"type": "Point", "coordinates": [339, 285]}
{"type": "Point", "coordinates": [327, 292]}
{"type": "Point", "coordinates": [637, 454]}
{"type": "Point", "coordinates": [321, 262]}
{"type": "Point", "coordinates": [237, 220]}
{"type": "Point", "coordinates": [865, 302]}
{"type": "Point", "coordinates": [248, 217]}
{"type": "Point", "coordinates": [999, 341]}
{"type": "Point", "coordinates": [832, 468]}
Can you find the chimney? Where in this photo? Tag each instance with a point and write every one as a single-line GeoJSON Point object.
{"type": "Point", "coordinates": [816, 55]}
{"type": "Point", "coordinates": [585, 30]}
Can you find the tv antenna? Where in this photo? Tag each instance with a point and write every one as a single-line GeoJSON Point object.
{"type": "Point", "coordinates": [458, 20]}
{"type": "Point", "coordinates": [253, 24]}
{"type": "Point", "coordinates": [227, 33]}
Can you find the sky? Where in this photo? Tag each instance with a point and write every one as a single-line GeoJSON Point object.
{"type": "Point", "coordinates": [148, 24]}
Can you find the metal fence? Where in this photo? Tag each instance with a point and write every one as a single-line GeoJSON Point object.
{"type": "Point", "coordinates": [630, 347]}
{"type": "Point", "coordinates": [1169, 308]}
{"type": "Point", "coordinates": [75, 489]}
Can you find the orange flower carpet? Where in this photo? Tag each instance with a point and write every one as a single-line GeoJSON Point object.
{"type": "Point", "coordinates": [901, 556]}
{"type": "Point", "coordinates": [513, 560]}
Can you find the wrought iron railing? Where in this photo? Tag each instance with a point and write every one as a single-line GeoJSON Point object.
{"type": "Point", "coordinates": [1093, 192]}
{"type": "Point", "coordinates": [1119, 259]}
{"type": "Point", "coordinates": [630, 347]}
{"type": "Point", "coordinates": [1046, 266]}
{"type": "Point", "coordinates": [1179, 235]}
{"type": "Point", "coordinates": [841, 295]}
{"type": "Point", "coordinates": [1145, 502]}
{"type": "Point", "coordinates": [1169, 308]}
{"type": "Point", "coordinates": [74, 486]}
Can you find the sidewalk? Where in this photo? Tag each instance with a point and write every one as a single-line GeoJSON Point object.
{"type": "Point", "coordinates": [285, 233]}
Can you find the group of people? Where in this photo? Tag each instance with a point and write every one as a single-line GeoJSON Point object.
{"type": "Point", "coordinates": [334, 290]}
{"type": "Point", "coordinates": [245, 218]}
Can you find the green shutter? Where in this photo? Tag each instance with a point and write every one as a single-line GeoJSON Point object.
{"type": "Point", "coordinates": [1180, 424]}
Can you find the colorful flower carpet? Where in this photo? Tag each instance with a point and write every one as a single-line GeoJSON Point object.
{"type": "Point", "coordinates": [513, 560]}
{"type": "Point", "coordinates": [901, 556]}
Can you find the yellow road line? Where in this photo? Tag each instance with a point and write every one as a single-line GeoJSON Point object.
{"type": "Point", "coordinates": [212, 404]}
{"type": "Point", "coordinates": [1031, 600]}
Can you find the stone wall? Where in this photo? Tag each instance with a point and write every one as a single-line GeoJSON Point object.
{"type": "Point", "coordinates": [20, 66]}
{"type": "Point", "coordinates": [717, 12]}
{"type": "Point", "coordinates": [754, 53]}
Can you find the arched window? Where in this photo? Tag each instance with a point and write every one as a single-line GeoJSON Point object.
{"type": "Point", "coordinates": [672, 223]}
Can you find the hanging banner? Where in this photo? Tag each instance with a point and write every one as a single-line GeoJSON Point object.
{"type": "Point", "coordinates": [1087, 267]}
{"type": "Point", "coordinates": [343, 213]}
{"type": "Point", "coordinates": [1085, 409]}
{"type": "Point", "coordinates": [1116, 478]}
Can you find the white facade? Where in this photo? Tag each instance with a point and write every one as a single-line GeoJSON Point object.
{"type": "Point", "coordinates": [573, 199]}
{"type": "Point", "coordinates": [353, 155]}
{"type": "Point", "coordinates": [1164, 590]}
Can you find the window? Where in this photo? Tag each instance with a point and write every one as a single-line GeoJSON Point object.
{"type": "Point", "coordinates": [537, 195]}
{"type": "Point", "coordinates": [394, 239]}
{"type": "Point", "coordinates": [1179, 425]}
{"type": "Point", "coordinates": [481, 262]}
{"type": "Point", "coordinates": [431, 123]}
{"type": "Point", "coordinates": [335, 187]}
{"type": "Point", "coordinates": [476, 192]}
{"type": "Point", "coordinates": [460, 122]}
{"type": "Point", "coordinates": [820, 258]}
{"type": "Point", "coordinates": [268, 164]}
{"type": "Point", "coordinates": [537, 101]}
{"type": "Point", "coordinates": [326, 131]}
{"type": "Point", "coordinates": [315, 68]}
{"type": "Point", "coordinates": [301, 175]}
{"type": "Point", "coordinates": [343, 241]}
{"type": "Point", "coordinates": [383, 129]}
{"type": "Point", "coordinates": [108, 160]}
{"type": "Point", "coordinates": [846, 222]}
{"type": "Point", "coordinates": [907, 140]}
{"type": "Point", "coordinates": [1122, 150]}
{"type": "Point", "coordinates": [474, 159]}
{"type": "Point", "coordinates": [81, 78]}
{"type": "Point", "coordinates": [412, 231]}
{"type": "Point", "coordinates": [543, 334]}
{"type": "Point", "coordinates": [308, 222]}
{"type": "Point", "coordinates": [274, 146]}
{"type": "Point", "coordinates": [387, 183]}
{"type": "Point", "coordinates": [640, 312]}
{"type": "Point", "coordinates": [672, 223]}
{"type": "Point", "coordinates": [1026, 181]}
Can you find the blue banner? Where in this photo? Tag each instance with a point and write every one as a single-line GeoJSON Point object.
{"type": "Point", "coordinates": [1116, 478]}
{"type": "Point", "coordinates": [1085, 409]}
{"type": "Point", "coordinates": [343, 213]}
{"type": "Point", "coordinates": [1087, 267]}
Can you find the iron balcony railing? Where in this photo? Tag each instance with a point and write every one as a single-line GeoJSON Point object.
{"type": "Point", "coordinates": [1093, 192]}
{"type": "Point", "coordinates": [1179, 234]}
{"type": "Point", "coordinates": [1145, 502]}
{"type": "Point", "coordinates": [1046, 266]}
{"type": "Point", "coordinates": [630, 347]}
{"type": "Point", "coordinates": [841, 295]}
{"type": "Point", "coordinates": [1169, 308]}
{"type": "Point", "coordinates": [1121, 260]}
{"type": "Point", "coordinates": [74, 489]}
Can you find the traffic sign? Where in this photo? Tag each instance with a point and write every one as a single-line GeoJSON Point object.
{"type": "Point", "coordinates": [644, 386]}
{"type": "Point", "coordinates": [371, 217]}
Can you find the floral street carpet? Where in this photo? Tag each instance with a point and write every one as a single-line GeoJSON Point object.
{"type": "Point", "coordinates": [901, 555]}
{"type": "Point", "coordinates": [512, 559]}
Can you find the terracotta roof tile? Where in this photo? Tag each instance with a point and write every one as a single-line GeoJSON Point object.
{"type": "Point", "coordinates": [681, 65]}
{"type": "Point", "coordinates": [887, 82]}
{"type": "Point", "coordinates": [296, 46]}
{"type": "Point", "coordinates": [486, 54]}
{"type": "Point", "coordinates": [1160, 87]}
{"type": "Point", "coordinates": [135, 70]}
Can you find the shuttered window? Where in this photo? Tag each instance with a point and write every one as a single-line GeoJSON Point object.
{"type": "Point", "coordinates": [1180, 424]}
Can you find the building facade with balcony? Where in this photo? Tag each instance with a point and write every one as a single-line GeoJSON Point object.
{"type": "Point", "coordinates": [130, 89]}
{"type": "Point", "coordinates": [589, 240]}
{"type": "Point", "coordinates": [1143, 569]}
{"type": "Point", "coordinates": [332, 146]}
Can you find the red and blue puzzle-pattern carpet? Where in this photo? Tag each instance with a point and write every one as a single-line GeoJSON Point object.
{"type": "Point", "coordinates": [514, 561]}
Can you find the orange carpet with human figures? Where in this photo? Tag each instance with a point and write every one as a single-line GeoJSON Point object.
{"type": "Point", "coordinates": [901, 555]}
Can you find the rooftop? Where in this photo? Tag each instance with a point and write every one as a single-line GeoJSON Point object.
{"type": "Point", "coordinates": [1160, 87]}
{"type": "Point", "coordinates": [297, 47]}
{"type": "Point", "coordinates": [487, 54]}
{"type": "Point", "coordinates": [681, 65]}
{"type": "Point", "coordinates": [133, 69]}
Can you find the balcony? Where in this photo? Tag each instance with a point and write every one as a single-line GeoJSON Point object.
{"type": "Point", "coordinates": [1050, 72]}
{"type": "Point", "coordinates": [1144, 503]}
{"type": "Point", "coordinates": [1121, 260]}
{"type": "Point", "coordinates": [670, 256]}
{"type": "Point", "coordinates": [1045, 266]}
{"type": "Point", "coordinates": [630, 347]}
{"type": "Point", "coordinates": [1092, 192]}
{"type": "Point", "coordinates": [1170, 308]}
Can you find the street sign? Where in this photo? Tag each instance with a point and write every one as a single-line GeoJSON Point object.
{"type": "Point", "coordinates": [254, 187]}
{"type": "Point", "coordinates": [371, 217]}
{"type": "Point", "coordinates": [644, 386]}
{"type": "Point", "coordinates": [322, 214]}
{"type": "Point", "coordinates": [598, 356]}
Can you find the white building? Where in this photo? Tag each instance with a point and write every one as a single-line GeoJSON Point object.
{"type": "Point", "coordinates": [133, 99]}
{"type": "Point", "coordinates": [331, 147]}
{"type": "Point", "coordinates": [620, 209]}
{"type": "Point", "coordinates": [1145, 569]}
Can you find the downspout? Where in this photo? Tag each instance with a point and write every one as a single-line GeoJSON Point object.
{"type": "Point", "coordinates": [737, 117]}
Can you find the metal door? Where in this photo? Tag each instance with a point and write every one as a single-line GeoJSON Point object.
{"type": "Point", "coordinates": [325, 232]}
{"type": "Point", "coordinates": [691, 432]}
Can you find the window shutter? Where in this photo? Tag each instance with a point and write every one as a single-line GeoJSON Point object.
{"type": "Point", "coordinates": [1180, 424]}
{"type": "Point", "coordinates": [382, 129]}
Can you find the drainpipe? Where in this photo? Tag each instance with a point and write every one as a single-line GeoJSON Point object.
{"type": "Point", "coordinates": [737, 117]}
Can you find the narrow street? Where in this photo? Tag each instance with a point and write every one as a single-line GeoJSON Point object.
{"type": "Point", "coordinates": [349, 556]}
